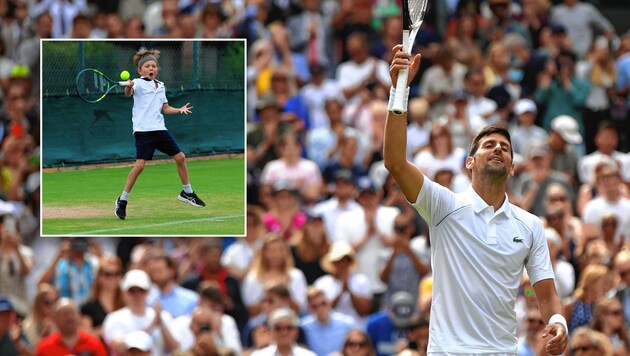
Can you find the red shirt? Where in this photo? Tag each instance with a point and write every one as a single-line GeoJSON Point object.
{"type": "Point", "coordinates": [86, 345]}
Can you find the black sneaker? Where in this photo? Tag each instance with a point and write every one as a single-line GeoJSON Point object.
{"type": "Point", "coordinates": [191, 199]}
{"type": "Point", "coordinates": [121, 209]}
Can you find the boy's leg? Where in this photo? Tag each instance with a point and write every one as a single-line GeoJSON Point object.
{"type": "Point", "coordinates": [121, 202]}
{"type": "Point", "coordinates": [187, 195]}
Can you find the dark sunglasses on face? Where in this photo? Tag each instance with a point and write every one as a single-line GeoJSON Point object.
{"type": "Point", "coordinates": [356, 344]}
{"type": "Point", "coordinates": [282, 328]}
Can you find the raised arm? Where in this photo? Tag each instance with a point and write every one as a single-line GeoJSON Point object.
{"type": "Point", "coordinates": [408, 176]}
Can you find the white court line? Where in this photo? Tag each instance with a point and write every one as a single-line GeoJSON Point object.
{"type": "Point", "coordinates": [218, 218]}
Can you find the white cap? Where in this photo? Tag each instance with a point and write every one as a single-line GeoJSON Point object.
{"type": "Point", "coordinates": [139, 340]}
{"type": "Point", "coordinates": [136, 278]}
{"type": "Point", "coordinates": [525, 105]}
{"type": "Point", "coordinates": [567, 128]}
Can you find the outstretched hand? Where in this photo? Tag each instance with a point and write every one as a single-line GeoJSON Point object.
{"type": "Point", "coordinates": [185, 109]}
{"type": "Point", "coordinates": [560, 340]}
{"type": "Point", "coordinates": [401, 61]}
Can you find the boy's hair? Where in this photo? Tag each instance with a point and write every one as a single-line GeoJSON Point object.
{"type": "Point", "coordinates": [143, 53]}
{"type": "Point", "coordinates": [487, 131]}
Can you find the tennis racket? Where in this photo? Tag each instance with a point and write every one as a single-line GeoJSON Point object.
{"type": "Point", "coordinates": [413, 12]}
{"type": "Point", "coordinates": [92, 85]}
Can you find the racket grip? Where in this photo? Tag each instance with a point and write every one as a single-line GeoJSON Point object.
{"type": "Point", "coordinates": [124, 83]}
{"type": "Point", "coordinates": [401, 84]}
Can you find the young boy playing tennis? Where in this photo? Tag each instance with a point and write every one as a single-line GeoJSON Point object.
{"type": "Point", "coordinates": [149, 102]}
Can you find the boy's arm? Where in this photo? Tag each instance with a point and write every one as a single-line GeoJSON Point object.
{"type": "Point", "coordinates": [129, 88]}
{"type": "Point", "coordinates": [186, 109]}
{"type": "Point", "coordinates": [408, 176]}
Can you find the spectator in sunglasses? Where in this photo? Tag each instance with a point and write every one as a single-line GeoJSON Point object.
{"type": "Point", "coordinates": [588, 342]}
{"type": "Point", "coordinates": [284, 324]}
{"type": "Point", "coordinates": [324, 328]}
{"type": "Point", "coordinates": [608, 319]}
{"type": "Point", "coordinates": [357, 343]}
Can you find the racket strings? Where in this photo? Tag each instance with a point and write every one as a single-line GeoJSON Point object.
{"type": "Point", "coordinates": [91, 85]}
{"type": "Point", "coordinates": [417, 9]}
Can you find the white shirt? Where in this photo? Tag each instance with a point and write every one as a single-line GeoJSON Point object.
{"type": "Point", "coordinates": [272, 350]}
{"type": "Point", "coordinates": [304, 174]}
{"type": "Point", "coordinates": [230, 337]}
{"type": "Point", "coordinates": [147, 105]}
{"type": "Point", "coordinates": [359, 285]}
{"type": "Point", "coordinates": [122, 321]}
{"type": "Point", "coordinates": [352, 227]}
{"type": "Point", "coordinates": [330, 210]}
{"type": "Point", "coordinates": [253, 291]}
{"type": "Point", "coordinates": [477, 257]}
{"type": "Point", "coordinates": [315, 97]}
{"type": "Point", "coordinates": [595, 209]}
{"type": "Point", "coordinates": [238, 255]}
{"type": "Point", "coordinates": [586, 165]}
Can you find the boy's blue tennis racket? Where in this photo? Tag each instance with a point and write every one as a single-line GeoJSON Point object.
{"type": "Point", "coordinates": [92, 85]}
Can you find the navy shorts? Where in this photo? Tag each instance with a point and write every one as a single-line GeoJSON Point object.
{"type": "Point", "coordinates": [149, 141]}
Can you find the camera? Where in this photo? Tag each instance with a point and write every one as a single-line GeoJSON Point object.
{"type": "Point", "coordinates": [204, 328]}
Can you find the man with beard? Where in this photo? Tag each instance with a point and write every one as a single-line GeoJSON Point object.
{"type": "Point", "coordinates": [480, 243]}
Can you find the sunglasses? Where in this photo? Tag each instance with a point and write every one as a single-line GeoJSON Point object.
{"type": "Point", "coordinates": [109, 274]}
{"type": "Point", "coordinates": [318, 305]}
{"type": "Point", "coordinates": [554, 198]}
{"type": "Point", "coordinates": [622, 274]}
{"type": "Point", "coordinates": [583, 348]}
{"type": "Point", "coordinates": [616, 312]}
{"type": "Point", "coordinates": [356, 344]}
{"type": "Point", "coordinates": [282, 328]}
{"type": "Point", "coordinates": [136, 290]}
{"type": "Point", "coordinates": [535, 320]}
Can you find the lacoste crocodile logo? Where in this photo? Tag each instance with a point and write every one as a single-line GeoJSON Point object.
{"type": "Point", "coordinates": [517, 239]}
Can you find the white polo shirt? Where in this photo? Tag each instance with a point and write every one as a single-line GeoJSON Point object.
{"type": "Point", "coordinates": [477, 258]}
{"type": "Point", "coordinates": [147, 105]}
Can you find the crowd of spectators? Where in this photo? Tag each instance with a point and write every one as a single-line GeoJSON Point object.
{"type": "Point", "coordinates": [335, 260]}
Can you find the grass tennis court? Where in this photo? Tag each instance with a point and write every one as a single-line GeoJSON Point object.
{"type": "Point", "coordinates": [81, 201]}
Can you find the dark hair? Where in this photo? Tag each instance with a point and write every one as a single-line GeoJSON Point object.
{"type": "Point", "coordinates": [606, 124]}
{"type": "Point", "coordinates": [473, 71]}
{"type": "Point", "coordinates": [487, 131]}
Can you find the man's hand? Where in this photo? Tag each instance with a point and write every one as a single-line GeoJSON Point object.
{"type": "Point", "coordinates": [559, 342]}
{"type": "Point", "coordinates": [401, 61]}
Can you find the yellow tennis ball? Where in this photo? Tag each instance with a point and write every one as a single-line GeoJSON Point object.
{"type": "Point", "coordinates": [124, 75]}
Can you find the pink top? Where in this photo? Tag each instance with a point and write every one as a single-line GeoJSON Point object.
{"type": "Point", "coordinates": [274, 225]}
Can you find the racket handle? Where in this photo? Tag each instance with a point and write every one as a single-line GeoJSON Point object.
{"type": "Point", "coordinates": [401, 84]}
{"type": "Point", "coordinates": [124, 84]}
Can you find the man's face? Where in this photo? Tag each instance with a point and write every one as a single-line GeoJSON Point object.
{"type": "Point", "coordinates": [66, 319]}
{"type": "Point", "coordinates": [320, 307]}
{"type": "Point", "coordinates": [159, 272]}
{"type": "Point", "coordinates": [476, 84]}
{"type": "Point", "coordinates": [493, 156]}
{"type": "Point", "coordinates": [607, 140]}
{"type": "Point", "coordinates": [284, 333]}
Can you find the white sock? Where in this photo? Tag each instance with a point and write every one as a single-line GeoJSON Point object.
{"type": "Point", "coordinates": [187, 188]}
{"type": "Point", "coordinates": [124, 196]}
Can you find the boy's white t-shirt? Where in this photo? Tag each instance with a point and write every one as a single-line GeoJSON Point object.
{"type": "Point", "coordinates": [147, 105]}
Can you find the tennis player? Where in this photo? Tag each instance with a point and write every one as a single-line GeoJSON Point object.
{"type": "Point", "coordinates": [480, 243]}
{"type": "Point", "coordinates": [149, 102]}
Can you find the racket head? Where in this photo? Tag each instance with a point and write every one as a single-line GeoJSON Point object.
{"type": "Point", "coordinates": [416, 10]}
{"type": "Point", "coordinates": [92, 85]}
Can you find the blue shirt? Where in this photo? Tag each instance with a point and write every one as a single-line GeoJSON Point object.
{"type": "Point", "coordinates": [74, 281]}
{"type": "Point", "coordinates": [324, 339]}
{"type": "Point", "coordinates": [384, 333]}
{"type": "Point", "coordinates": [623, 73]}
{"type": "Point", "coordinates": [180, 301]}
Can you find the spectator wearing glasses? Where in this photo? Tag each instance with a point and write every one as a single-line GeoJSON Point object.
{"type": "Point", "coordinates": [39, 321]}
{"type": "Point", "coordinates": [136, 315]}
{"type": "Point", "coordinates": [284, 332]}
{"type": "Point", "coordinates": [105, 297]}
{"type": "Point", "coordinates": [588, 342]}
{"type": "Point", "coordinates": [324, 328]}
{"type": "Point", "coordinates": [357, 343]}
{"type": "Point", "coordinates": [12, 340]}
{"type": "Point", "coordinates": [608, 320]}
{"type": "Point", "coordinates": [532, 343]}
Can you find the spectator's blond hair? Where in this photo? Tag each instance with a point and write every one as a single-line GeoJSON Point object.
{"type": "Point", "coordinates": [260, 265]}
{"type": "Point", "coordinates": [590, 274]}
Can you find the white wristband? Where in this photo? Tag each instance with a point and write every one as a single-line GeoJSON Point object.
{"type": "Point", "coordinates": [558, 318]}
{"type": "Point", "coordinates": [392, 95]}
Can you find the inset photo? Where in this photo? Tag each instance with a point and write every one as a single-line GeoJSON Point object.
{"type": "Point", "coordinates": [143, 138]}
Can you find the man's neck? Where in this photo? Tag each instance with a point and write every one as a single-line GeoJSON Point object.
{"type": "Point", "coordinates": [492, 192]}
{"type": "Point", "coordinates": [70, 340]}
{"type": "Point", "coordinates": [168, 288]}
{"type": "Point", "coordinates": [284, 349]}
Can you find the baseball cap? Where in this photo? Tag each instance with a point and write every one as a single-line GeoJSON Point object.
{"type": "Point", "coordinates": [567, 128]}
{"type": "Point", "coordinates": [136, 278]}
{"type": "Point", "coordinates": [525, 105]}
{"type": "Point", "coordinates": [366, 184]}
{"type": "Point", "coordinates": [284, 184]}
{"type": "Point", "coordinates": [318, 68]}
{"type": "Point", "coordinates": [267, 100]}
{"type": "Point", "coordinates": [79, 244]}
{"type": "Point", "coordinates": [557, 28]}
{"type": "Point", "coordinates": [537, 149]}
{"type": "Point", "coordinates": [282, 314]}
{"type": "Point", "coordinates": [139, 340]}
{"type": "Point", "coordinates": [5, 304]}
{"type": "Point", "coordinates": [403, 308]}
{"type": "Point", "coordinates": [344, 174]}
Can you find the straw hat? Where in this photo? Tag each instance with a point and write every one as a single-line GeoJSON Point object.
{"type": "Point", "coordinates": [338, 250]}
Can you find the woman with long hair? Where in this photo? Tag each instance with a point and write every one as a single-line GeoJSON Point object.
{"type": "Point", "coordinates": [273, 265]}
{"type": "Point", "coordinates": [105, 296]}
{"type": "Point", "coordinates": [308, 246]}
{"type": "Point", "coordinates": [357, 343]}
{"type": "Point", "coordinates": [591, 288]}
{"type": "Point", "coordinates": [608, 319]}
{"type": "Point", "coordinates": [39, 321]}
